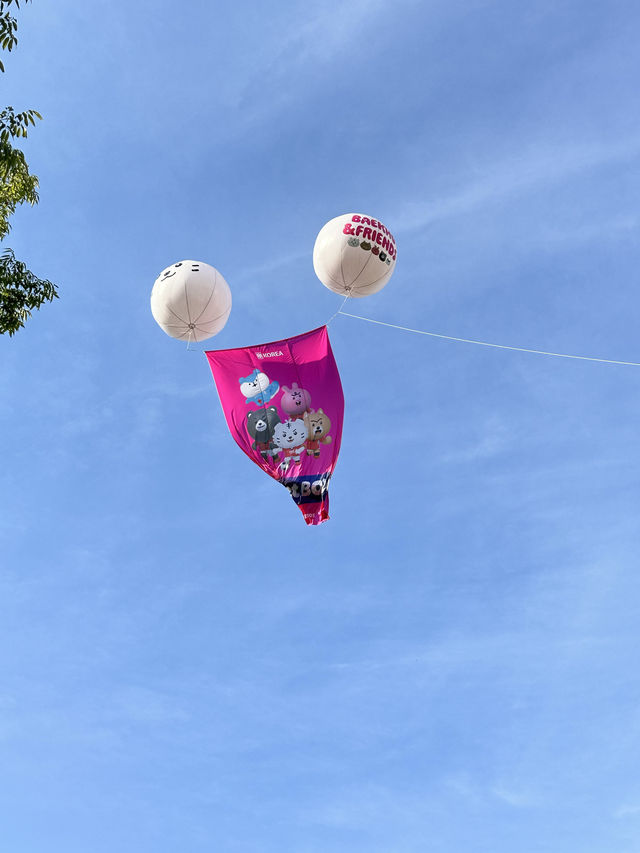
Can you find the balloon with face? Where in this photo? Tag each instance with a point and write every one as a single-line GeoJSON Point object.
{"type": "Point", "coordinates": [354, 255]}
{"type": "Point", "coordinates": [191, 301]}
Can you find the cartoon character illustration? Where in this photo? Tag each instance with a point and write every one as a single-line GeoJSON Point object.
{"type": "Point", "coordinates": [290, 437]}
{"type": "Point", "coordinates": [366, 246]}
{"type": "Point", "coordinates": [257, 388]}
{"type": "Point", "coordinates": [295, 401]}
{"type": "Point", "coordinates": [354, 242]}
{"type": "Point", "coordinates": [318, 426]}
{"type": "Point", "coordinates": [260, 426]}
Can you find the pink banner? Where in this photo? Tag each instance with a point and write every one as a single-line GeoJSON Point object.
{"type": "Point", "coordinates": [284, 406]}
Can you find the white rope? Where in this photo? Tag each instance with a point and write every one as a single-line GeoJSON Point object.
{"type": "Point", "coordinates": [486, 344]}
{"type": "Point", "coordinates": [342, 304]}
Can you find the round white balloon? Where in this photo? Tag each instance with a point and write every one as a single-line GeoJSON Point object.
{"type": "Point", "coordinates": [354, 255]}
{"type": "Point", "coordinates": [191, 301]}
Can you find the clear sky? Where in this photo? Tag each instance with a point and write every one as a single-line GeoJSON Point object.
{"type": "Point", "coordinates": [450, 664]}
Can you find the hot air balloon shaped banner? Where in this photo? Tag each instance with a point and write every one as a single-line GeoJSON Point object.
{"type": "Point", "coordinates": [284, 406]}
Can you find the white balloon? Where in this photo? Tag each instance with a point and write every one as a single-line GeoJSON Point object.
{"type": "Point", "coordinates": [354, 255]}
{"type": "Point", "coordinates": [191, 301]}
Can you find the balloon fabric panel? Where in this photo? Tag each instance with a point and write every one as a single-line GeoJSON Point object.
{"type": "Point", "coordinates": [284, 406]}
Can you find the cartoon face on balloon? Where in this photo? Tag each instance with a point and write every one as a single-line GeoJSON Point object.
{"type": "Point", "coordinates": [176, 268]}
{"type": "Point", "coordinates": [190, 300]}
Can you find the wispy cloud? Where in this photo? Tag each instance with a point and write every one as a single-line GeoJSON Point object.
{"type": "Point", "coordinates": [494, 436]}
{"type": "Point", "coordinates": [141, 704]}
{"type": "Point", "coordinates": [515, 798]}
{"type": "Point", "coordinates": [277, 263]}
{"type": "Point", "coordinates": [284, 70]}
{"type": "Point", "coordinates": [315, 41]}
{"type": "Point", "coordinates": [628, 810]}
{"type": "Point", "coordinates": [533, 169]}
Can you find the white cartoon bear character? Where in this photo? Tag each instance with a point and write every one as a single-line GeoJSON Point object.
{"type": "Point", "coordinates": [290, 437]}
{"type": "Point", "coordinates": [257, 388]}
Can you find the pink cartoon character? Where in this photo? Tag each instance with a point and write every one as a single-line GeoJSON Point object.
{"type": "Point", "coordinates": [295, 401]}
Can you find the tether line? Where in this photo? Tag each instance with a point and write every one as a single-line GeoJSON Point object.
{"type": "Point", "coordinates": [486, 343]}
{"type": "Point", "coordinates": [340, 311]}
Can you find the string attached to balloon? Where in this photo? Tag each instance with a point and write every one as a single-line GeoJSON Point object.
{"type": "Point", "coordinates": [486, 343]}
{"type": "Point", "coordinates": [339, 311]}
{"type": "Point", "coordinates": [340, 264]}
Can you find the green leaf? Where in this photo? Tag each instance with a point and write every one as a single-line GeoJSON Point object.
{"type": "Point", "coordinates": [20, 292]}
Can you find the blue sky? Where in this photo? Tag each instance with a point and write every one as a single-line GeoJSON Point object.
{"type": "Point", "coordinates": [450, 663]}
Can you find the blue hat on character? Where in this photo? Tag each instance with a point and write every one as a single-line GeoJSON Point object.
{"type": "Point", "coordinates": [254, 390]}
{"type": "Point", "coordinates": [251, 378]}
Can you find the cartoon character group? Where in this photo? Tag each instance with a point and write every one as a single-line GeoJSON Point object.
{"type": "Point", "coordinates": [355, 242]}
{"type": "Point", "coordinates": [303, 429]}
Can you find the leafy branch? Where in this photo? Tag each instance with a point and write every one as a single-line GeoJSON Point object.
{"type": "Point", "coordinates": [8, 27]}
{"type": "Point", "coordinates": [14, 124]}
{"type": "Point", "coordinates": [20, 292]}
